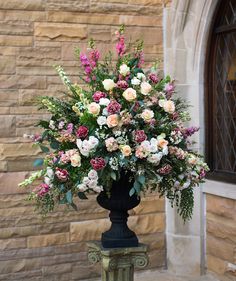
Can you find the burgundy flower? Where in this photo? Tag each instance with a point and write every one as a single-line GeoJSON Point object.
{"type": "Point", "coordinates": [98, 95]}
{"type": "Point", "coordinates": [153, 77]}
{"type": "Point", "coordinates": [140, 136]}
{"type": "Point", "coordinates": [98, 163]}
{"type": "Point", "coordinates": [165, 170]}
{"type": "Point", "coordinates": [175, 115]}
{"type": "Point", "coordinates": [122, 84]}
{"type": "Point", "coordinates": [42, 189]}
{"type": "Point", "coordinates": [62, 174]}
{"type": "Point", "coordinates": [188, 132]}
{"type": "Point", "coordinates": [202, 173]}
{"type": "Point", "coordinates": [136, 106]}
{"type": "Point", "coordinates": [113, 107]}
{"type": "Point", "coordinates": [82, 132]}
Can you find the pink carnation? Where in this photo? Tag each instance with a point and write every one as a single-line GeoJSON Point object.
{"type": "Point", "coordinates": [82, 132]}
{"type": "Point", "coordinates": [42, 189]}
{"type": "Point", "coordinates": [140, 136]}
{"type": "Point", "coordinates": [98, 163]}
{"type": "Point", "coordinates": [165, 170]}
{"type": "Point", "coordinates": [122, 84]}
{"type": "Point", "coordinates": [113, 107]}
{"type": "Point", "coordinates": [98, 95]}
{"type": "Point", "coordinates": [62, 174]}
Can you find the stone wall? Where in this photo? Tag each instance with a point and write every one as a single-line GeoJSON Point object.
{"type": "Point", "coordinates": [34, 35]}
{"type": "Point", "coordinates": [221, 237]}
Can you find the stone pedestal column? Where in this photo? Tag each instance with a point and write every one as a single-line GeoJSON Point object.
{"type": "Point", "coordinates": [118, 263]}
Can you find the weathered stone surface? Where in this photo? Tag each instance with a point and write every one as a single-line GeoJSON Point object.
{"type": "Point", "coordinates": [108, 19]}
{"type": "Point", "coordinates": [7, 65]}
{"type": "Point", "coordinates": [8, 97]}
{"type": "Point", "coordinates": [60, 31]}
{"type": "Point", "coordinates": [7, 127]}
{"type": "Point", "coordinates": [22, 82]}
{"type": "Point", "coordinates": [23, 5]}
{"type": "Point", "coordinates": [150, 204]}
{"type": "Point", "coordinates": [56, 269]}
{"type": "Point", "coordinates": [38, 54]}
{"type": "Point", "coordinates": [47, 240]}
{"type": "Point", "coordinates": [11, 151]}
{"type": "Point", "coordinates": [100, 33]}
{"type": "Point", "coordinates": [216, 265]}
{"type": "Point", "coordinates": [220, 248]}
{"type": "Point", "coordinates": [9, 184]}
{"type": "Point", "coordinates": [10, 15]}
{"type": "Point", "coordinates": [16, 28]}
{"type": "Point", "coordinates": [69, 5]}
{"type": "Point", "coordinates": [11, 40]}
{"type": "Point", "coordinates": [221, 206]}
{"type": "Point", "coordinates": [14, 243]}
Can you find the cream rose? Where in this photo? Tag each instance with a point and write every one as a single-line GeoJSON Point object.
{"type": "Point", "coordinates": [94, 108]}
{"type": "Point", "coordinates": [169, 106]}
{"type": "Point", "coordinates": [75, 160]}
{"type": "Point", "coordinates": [126, 150]}
{"type": "Point", "coordinates": [112, 120]}
{"type": "Point", "coordinates": [145, 88]}
{"type": "Point", "coordinates": [108, 84]}
{"type": "Point", "coordinates": [130, 94]}
{"type": "Point", "coordinates": [124, 69]}
{"type": "Point", "coordinates": [147, 115]}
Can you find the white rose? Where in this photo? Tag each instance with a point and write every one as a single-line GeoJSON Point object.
{"type": "Point", "coordinates": [154, 145]}
{"type": "Point", "coordinates": [169, 106]}
{"type": "Point", "coordinates": [141, 76]}
{"type": "Point", "coordinates": [75, 160]}
{"type": "Point", "coordinates": [93, 175]}
{"type": "Point", "coordinates": [93, 184]}
{"type": "Point", "coordinates": [104, 101]}
{"type": "Point", "coordinates": [86, 180]}
{"type": "Point", "coordinates": [108, 84]}
{"type": "Point", "coordinates": [94, 108]}
{"type": "Point", "coordinates": [102, 120]}
{"type": "Point", "coordinates": [145, 88]}
{"type": "Point", "coordinates": [98, 189]}
{"type": "Point", "coordinates": [47, 180]}
{"type": "Point", "coordinates": [124, 69]}
{"type": "Point", "coordinates": [155, 158]}
{"type": "Point", "coordinates": [93, 141]}
{"type": "Point", "coordinates": [82, 187]}
{"type": "Point", "coordinates": [147, 115]}
{"type": "Point", "coordinates": [161, 102]}
{"type": "Point", "coordinates": [105, 112]}
{"type": "Point", "coordinates": [50, 172]}
{"type": "Point", "coordinates": [135, 81]}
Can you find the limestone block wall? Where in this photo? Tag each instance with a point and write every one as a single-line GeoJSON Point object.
{"type": "Point", "coordinates": [34, 35]}
{"type": "Point", "coordinates": [221, 236]}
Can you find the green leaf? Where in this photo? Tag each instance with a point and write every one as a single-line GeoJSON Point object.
{"type": "Point", "coordinates": [137, 186]}
{"type": "Point", "coordinates": [54, 144]}
{"type": "Point", "coordinates": [38, 162]}
{"type": "Point", "coordinates": [82, 196]}
{"type": "Point", "coordinates": [132, 191]}
{"type": "Point", "coordinates": [141, 179]}
{"type": "Point", "coordinates": [63, 200]}
{"type": "Point", "coordinates": [113, 175]}
{"type": "Point", "coordinates": [74, 206]}
{"type": "Point", "coordinates": [69, 197]}
{"type": "Point", "coordinates": [44, 148]}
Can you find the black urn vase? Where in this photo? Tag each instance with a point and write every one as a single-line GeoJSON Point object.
{"type": "Point", "coordinates": [119, 202]}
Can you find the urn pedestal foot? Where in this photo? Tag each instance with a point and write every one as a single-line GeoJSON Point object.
{"type": "Point", "coordinates": [117, 264]}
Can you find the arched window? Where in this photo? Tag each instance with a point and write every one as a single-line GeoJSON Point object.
{"type": "Point", "coordinates": [221, 94]}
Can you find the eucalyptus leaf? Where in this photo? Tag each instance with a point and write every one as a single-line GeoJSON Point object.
{"type": "Point", "coordinates": [69, 197]}
{"type": "Point", "coordinates": [38, 162]}
{"type": "Point", "coordinates": [132, 191]}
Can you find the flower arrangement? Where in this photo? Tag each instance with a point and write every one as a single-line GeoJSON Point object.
{"type": "Point", "coordinates": [125, 119]}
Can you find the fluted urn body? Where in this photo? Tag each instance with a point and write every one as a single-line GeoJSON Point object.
{"type": "Point", "coordinates": [119, 202]}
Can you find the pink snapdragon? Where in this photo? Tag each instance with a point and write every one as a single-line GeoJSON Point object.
{"type": "Point", "coordinates": [120, 46]}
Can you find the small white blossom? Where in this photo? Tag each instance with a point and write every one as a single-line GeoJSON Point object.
{"type": "Point", "coordinates": [104, 101]}
{"type": "Point", "coordinates": [102, 120]}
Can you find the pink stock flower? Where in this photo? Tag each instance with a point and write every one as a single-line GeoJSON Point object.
{"type": "Point", "coordinates": [42, 189]}
{"type": "Point", "coordinates": [120, 46]}
{"type": "Point", "coordinates": [113, 107]}
{"type": "Point", "coordinates": [69, 128]}
{"type": "Point", "coordinates": [122, 84]}
{"type": "Point", "coordinates": [98, 95]}
{"type": "Point", "coordinates": [140, 136]}
{"type": "Point", "coordinates": [94, 56]}
{"type": "Point", "coordinates": [98, 163]}
{"type": "Point", "coordinates": [82, 132]}
{"type": "Point", "coordinates": [165, 170]}
{"type": "Point", "coordinates": [62, 174]}
{"type": "Point", "coordinates": [153, 77]}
